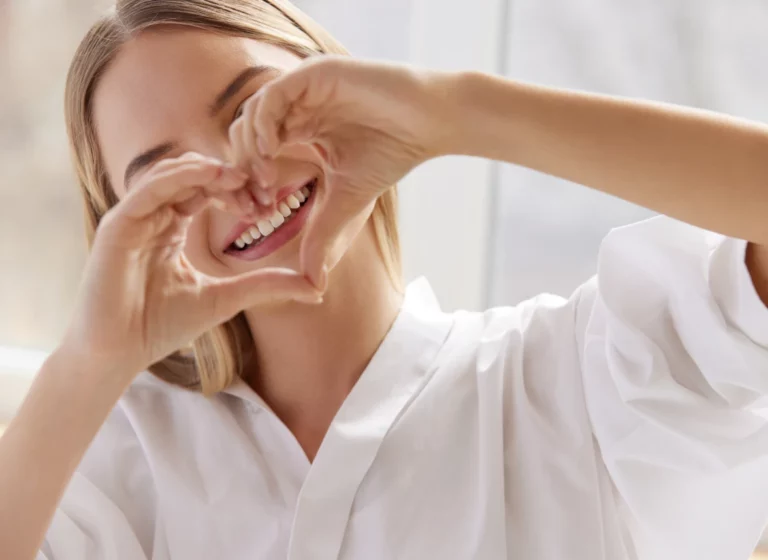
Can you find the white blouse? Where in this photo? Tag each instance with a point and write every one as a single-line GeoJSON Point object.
{"type": "Point", "coordinates": [618, 424]}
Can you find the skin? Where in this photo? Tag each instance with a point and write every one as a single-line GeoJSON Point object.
{"type": "Point", "coordinates": [309, 356]}
{"type": "Point", "coordinates": [154, 279]}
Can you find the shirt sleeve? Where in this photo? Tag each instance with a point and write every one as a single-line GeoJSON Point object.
{"type": "Point", "coordinates": [88, 526]}
{"type": "Point", "coordinates": [674, 355]}
{"type": "Point", "coordinates": [107, 512]}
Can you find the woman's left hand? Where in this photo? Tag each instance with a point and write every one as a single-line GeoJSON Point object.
{"type": "Point", "coordinates": [369, 123]}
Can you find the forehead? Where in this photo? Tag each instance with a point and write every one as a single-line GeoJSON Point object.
{"type": "Point", "coordinates": [160, 86]}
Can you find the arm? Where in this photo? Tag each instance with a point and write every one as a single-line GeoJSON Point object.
{"type": "Point", "coordinates": [703, 168]}
{"type": "Point", "coordinates": [140, 301]}
{"type": "Point", "coordinates": [45, 442]}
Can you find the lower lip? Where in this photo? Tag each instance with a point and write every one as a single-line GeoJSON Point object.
{"type": "Point", "coordinates": [280, 237]}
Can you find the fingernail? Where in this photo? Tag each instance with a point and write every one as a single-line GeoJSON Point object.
{"type": "Point", "coordinates": [264, 197]}
{"type": "Point", "coordinates": [320, 279]}
{"type": "Point", "coordinates": [313, 299]}
{"type": "Point", "coordinates": [323, 280]}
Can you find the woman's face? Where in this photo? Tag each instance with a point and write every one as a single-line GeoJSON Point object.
{"type": "Point", "coordinates": [177, 90]}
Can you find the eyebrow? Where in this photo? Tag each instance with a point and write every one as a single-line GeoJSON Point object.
{"type": "Point", "coordinates": [233, 88]}
{"type": "Point", "coordinates": [236, 85]}
{"type": "Point", "coordinates": [144, 159]}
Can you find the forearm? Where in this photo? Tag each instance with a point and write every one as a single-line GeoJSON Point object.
{"type": "Point", "coordinates": [706, 169]}
{"type": "Point", "coordinates": [43, 445]}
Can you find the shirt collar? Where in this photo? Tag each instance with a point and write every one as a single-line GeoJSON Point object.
{"type": "Point", "coordinates": [419, 302]}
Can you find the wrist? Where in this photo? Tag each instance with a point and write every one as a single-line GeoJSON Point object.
{"type": "Point", "coordinates": [70, 360]}
{"type": "Point", "coordinates": [480, 111]}
{"type": "Point", "coordinates": [445, 103]}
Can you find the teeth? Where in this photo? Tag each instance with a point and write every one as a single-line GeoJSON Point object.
{"type": "Point", "coordinates": [292, 202]}
{"type": "Point", "coordinates": [276, 219]}
{"type": "Point", "coordinates": [265, 227]}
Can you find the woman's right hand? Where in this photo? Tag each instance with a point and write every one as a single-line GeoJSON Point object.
{"type": "Point", "coordinates": [140, 298]}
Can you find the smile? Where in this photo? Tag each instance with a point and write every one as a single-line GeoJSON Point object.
{"type": "Point", "coordinates": [268, 235]}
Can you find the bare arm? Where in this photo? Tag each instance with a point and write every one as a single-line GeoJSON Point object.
{"type": "Point", "coordinates": [39, 452]}
{"type": "Point", "coordinates": [704, 168]}
{"type": "Point", "coordinates": [375, 122]}
{"type": "Point", "coordinates": [140, 301]}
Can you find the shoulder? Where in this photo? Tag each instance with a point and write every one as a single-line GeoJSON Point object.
{"type": "Point", "coordinates": [116, 460]}
{"type": "Point", "coordinates": [112, 497]}
{"type": "Point", "coordinates": [150, 410]}
{"type": "Point", "coordinates": [535, 338]}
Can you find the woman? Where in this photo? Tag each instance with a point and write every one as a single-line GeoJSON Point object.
{"type": "Point", "coordinates": [244, 249]}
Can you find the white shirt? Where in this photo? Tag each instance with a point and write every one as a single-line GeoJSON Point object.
{"type": "Point", "coordinates": [617, 424]}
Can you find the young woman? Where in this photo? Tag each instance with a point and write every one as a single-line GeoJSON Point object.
{"type": "Point", "coordinates": [244, 250]}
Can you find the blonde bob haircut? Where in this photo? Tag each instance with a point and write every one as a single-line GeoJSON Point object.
{"type": "Point", "coordinates": [216, 358]}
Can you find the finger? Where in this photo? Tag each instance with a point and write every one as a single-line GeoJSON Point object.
{"type": "Point", "coordinates": [229, 296]}
{"type": "Point", "coordinates": [326, 222]}
{"type": "Point", "coordinates": [264, 196]}
{"type": "Point", "coordinates": [193, 204]}
{"type": "Point", "coordinates": [263, 169]}
{"type": "Point", "coordinates": [229, 202]}
{"type": "Point", "coordinates": [274, 104]}
{"type": "Point", "coordinates": [161, 188]}
{"type": "Point", "coordinates": [247, 137]}
{"type": "Point", "coordinates": [236, 142]}
{"type": "Point", "coordinates": [301, 127]}
{"type": "Point", "coordinates": [244, 200]}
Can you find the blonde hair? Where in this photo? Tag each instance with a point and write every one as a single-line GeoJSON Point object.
{"type": "Point", "coordinates": [218, 356]}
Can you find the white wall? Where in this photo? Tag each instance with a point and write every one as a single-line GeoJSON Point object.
{"type": "Point", "coordinates": [705, 53]}
{"type": "Point", "coordinates": [16, 370]}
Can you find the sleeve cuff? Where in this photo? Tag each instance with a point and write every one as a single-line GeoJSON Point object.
{"type": "Point", "coordinates": [733, 289]}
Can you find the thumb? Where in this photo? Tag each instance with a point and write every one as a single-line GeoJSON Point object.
{"type": "Point", "coordinates": [229, 296]}
{"type": "Point", "coordinates": [329, 216]}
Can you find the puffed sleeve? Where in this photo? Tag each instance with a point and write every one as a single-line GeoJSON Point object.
{"type": "Point", "coordinates": [107, 512]}
{"type": "Point", "coordinates": [674, 355]}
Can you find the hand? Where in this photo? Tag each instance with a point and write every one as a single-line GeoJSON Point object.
{"type": "Point", "coordinates": [140, 298]}
{"type": "Point", "coordinates": [369, 123]}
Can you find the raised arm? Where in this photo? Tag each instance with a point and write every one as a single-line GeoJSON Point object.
{"type": "Point", "coordinates": [65, 408]}
{"type": "Point", "coordinates": [374, 122]}
{"type": "Point", "coordinates": [140, 301]}
{"type": "Point", "coordinates": [703, 168]}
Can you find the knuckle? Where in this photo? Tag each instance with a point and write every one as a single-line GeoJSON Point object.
{"type": "Point", "coordinates": [250, 107]}
{"type": "Point", "coordinates": [108, 219]}
{"type": "Point", "coordinates": [323, 64]}
{"type": "Point", "coordinates": [235, 130]}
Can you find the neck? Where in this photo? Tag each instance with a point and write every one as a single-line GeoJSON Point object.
{"type": "Point", "coordinates": [309, 357]}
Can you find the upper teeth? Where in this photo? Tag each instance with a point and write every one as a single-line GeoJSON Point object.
{"type": "Point", "coordinates": [264, 228]}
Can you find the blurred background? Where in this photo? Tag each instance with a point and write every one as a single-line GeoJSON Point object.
{"type": "Point", "coordinates": [483, 233]}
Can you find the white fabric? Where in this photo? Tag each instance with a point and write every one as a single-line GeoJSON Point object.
{"type": "Point", "coordinates": [618, 424]}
